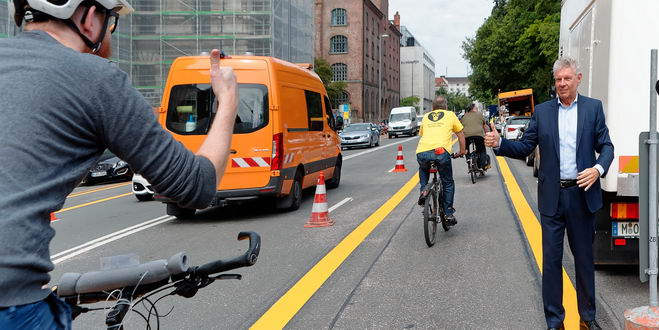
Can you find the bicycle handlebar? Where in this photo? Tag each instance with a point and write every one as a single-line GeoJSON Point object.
{"type": "Point", "coordinates": [147, 273]}
{"type": "Point", "coordinates": [154, 272]}
{"type": "Point", "coordinates": [246, 260]}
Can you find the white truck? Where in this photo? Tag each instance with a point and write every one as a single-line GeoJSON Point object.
{"type": "Point", "coordinates": [403, 121]}
{"type": "Point", "coordinates": [612, 40]}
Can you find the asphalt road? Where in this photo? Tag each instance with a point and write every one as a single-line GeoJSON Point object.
{"type": "Point", "coordinates": [479, 275]}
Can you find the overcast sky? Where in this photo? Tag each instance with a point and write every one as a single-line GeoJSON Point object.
{"type": "Point", "coordinates": [441, 26]}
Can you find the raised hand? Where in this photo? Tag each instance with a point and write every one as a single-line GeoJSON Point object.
{"type": "Point", "coordinates": [223, 81]}
{"type": "Point", "coordinates": [492, 137]}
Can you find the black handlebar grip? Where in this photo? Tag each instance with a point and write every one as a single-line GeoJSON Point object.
{"type": "Point", "coordinates": [248, 259]}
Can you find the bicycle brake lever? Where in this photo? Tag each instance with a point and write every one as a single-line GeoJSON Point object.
{"type": "Point", "coordinates": [227, 277]}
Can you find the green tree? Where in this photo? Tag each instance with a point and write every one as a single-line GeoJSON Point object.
{"type": "Point", "coordinates": [410, 101]}
{"type": "Point", "coordinates": [324, 71]}
{"type": "Point", "coordinates": [456, 100]}
{"type": "Point", "coordinates": [514, 49]}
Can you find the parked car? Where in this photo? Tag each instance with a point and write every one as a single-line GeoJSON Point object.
{"type": "Point", "coordinates": [384, 128]}
{"type": "Point", "coordinates": [360, 135]}
{"type": "Point", "coordinates": [511, 130]}
{"type": "Point", "coordinates": [108, 168]}
{"type": "Point", "coordinates": [529, 158]}
{"type": "Point", "coordinates": [142, 188]}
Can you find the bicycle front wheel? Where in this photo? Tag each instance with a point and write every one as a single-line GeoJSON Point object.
{"type": "Point", "coordinates": [430, 218]}
{"type": "Point", "coordinates": [472, 173]}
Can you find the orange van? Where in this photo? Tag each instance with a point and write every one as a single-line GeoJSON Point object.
{"type": "Point", "coordinates": [284, 135]}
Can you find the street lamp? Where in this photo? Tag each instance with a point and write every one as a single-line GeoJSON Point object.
{"type": "Point", "coordinates": [379, 112]}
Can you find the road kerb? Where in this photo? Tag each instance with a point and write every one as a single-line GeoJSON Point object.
{"type": "Point", "coordinates": [533, 232]}
{"type": "Point", "coordinates": [282, 311]}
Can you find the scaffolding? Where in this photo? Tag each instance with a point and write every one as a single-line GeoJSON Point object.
{"type": "Point", "coordinates": [161, 30]}
{"type": "Point", "coordinates": [147, 42]}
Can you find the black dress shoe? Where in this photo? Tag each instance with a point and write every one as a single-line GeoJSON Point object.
{"type": "Point", "coordinates": [589, 325]}
{"type": "Point", "coordinates": [560, 327]}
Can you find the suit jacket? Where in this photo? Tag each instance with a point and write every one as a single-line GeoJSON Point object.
{"type": "Point", "coordinates": [592, 137]}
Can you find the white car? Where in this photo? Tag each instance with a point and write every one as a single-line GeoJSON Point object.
{"type": "Point", "coordinates": [142, 188]}
{"type": "Point", "coordinates": [511, 130]}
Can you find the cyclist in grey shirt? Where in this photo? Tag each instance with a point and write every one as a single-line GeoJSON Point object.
{"type": "Point", "coordinates": [62, 104]}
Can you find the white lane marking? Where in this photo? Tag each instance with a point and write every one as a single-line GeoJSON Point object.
{"type": "Point", "coordinates": [339, 204]}
{"type": "Point", "coordinates": [378, 148]}
{"type": "Point", "coordinates": [80, 249]}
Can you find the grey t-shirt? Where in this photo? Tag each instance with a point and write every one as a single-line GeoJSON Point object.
{"type": "Point", "coordinates": [59, 109]}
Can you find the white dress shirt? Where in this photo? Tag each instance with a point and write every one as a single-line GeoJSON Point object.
{"type": "Point", "coordinates": [567, 132]}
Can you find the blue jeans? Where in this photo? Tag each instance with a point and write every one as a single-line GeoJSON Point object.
{"type": "Point", "coordinates": [50, 313]}
{"type": "Point", "coordinates": [445, 170]}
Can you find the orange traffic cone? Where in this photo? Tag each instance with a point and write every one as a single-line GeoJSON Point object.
{"type": "Point", "coordinates": [319, 213]}
{"type": "Point", "coordinates": [53, 217]}
{"type": "Point", "coordinates": [400, 165]}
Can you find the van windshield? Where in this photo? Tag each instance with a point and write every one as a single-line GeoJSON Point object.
{"type": "Point", "coordinates": [192, 108]}
{"type": "Point", "coordinates": [399, 116]}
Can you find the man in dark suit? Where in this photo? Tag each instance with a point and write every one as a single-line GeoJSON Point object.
{"type": "Point", "coordinates": [569, 131]}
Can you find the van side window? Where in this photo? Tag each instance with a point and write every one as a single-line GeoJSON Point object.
{"type": "Point", "coordinates": [192, 108]}
{"type": "Point", "coordinates": [314, 110]}
{"type": "Point", "coordinates": [328, 114]}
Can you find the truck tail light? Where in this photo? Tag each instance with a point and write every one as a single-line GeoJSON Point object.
{"type": "Point", "coordinates": [277, 151]}
{"type": "Point", "coordinates": [511, 129]}
{"type": "Point", "coordinates": [624, 210]}
{"type": "Point", "coordinates": [620, 242]}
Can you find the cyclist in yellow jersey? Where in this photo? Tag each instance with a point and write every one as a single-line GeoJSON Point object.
{"type": "Point", "coordinates": [437, 129]}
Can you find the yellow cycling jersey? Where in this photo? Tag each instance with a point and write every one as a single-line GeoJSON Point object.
{"type": "Point", "coordinates": [437, 130]}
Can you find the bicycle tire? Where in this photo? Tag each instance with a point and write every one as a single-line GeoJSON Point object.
{"type": "Point", "coordinates": [472, 173]}
{"type": "Point", "coordinates": [430, 215]}
{"type": "Point", "coordinates": [440, 202]}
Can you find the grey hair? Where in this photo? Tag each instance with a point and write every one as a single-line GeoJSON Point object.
{"type": "Point", "coordinates": [566, 62]}
{"type": "Point", "coordinates": [440, 102]}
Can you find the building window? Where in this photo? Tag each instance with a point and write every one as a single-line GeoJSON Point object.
{"type": "Point", "coordinates": [367, 76]}
{"type": "Point", "coordinates": [338, 44]}
{"type": "Point", "coordinates": [339, 72]}
{"type": "Point", "coordinates": [342, 98]}
{"type": "Point", "coordinates": [339, 17]}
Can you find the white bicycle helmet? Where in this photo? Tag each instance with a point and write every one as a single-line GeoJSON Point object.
{"type": "Point", "coordinates": [63, 9]}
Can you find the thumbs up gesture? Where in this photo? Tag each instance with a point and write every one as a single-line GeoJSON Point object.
{"type": "Point", "coordinates": [492, 137]}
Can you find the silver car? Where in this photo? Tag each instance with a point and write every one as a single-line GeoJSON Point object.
{"type": "Point", "coordinates": [360, 135]}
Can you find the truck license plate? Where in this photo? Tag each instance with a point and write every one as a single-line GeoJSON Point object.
{"type": "Point", "coordinates": [625, 229]}
{"type": "Point", "coordinates": [97, 174]}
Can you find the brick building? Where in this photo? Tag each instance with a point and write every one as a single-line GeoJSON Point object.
{"type": "Point", "coordinates": [348, 35]}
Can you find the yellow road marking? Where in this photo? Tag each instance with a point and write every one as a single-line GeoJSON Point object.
{"type": "Point", "coordinates": [98, 189]}
{"type": "Point", "coordinates": [533, 232]}
{"type": "Point", "coordinates": [292, 301]}
{"type": "Point", "coordinates": [94, 202]}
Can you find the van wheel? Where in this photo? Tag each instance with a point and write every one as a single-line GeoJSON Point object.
{"type": "Point", "coordinates": [293, 200]}
{"type": "Point", "coordinates": [180, 212]}
{"type": "Point", "coordinates": [336, 178]}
